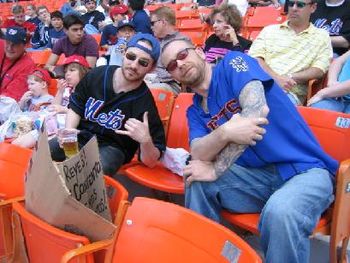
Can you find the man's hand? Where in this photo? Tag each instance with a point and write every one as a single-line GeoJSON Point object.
{"type": "Point", "coordinates": [286, 82]}
{"type": "Point", "coordinates": [198, 170]}
{"type": "Point", "coordinates": [137, 130]}
{"type": "Point", "coordinates": [244, 131]}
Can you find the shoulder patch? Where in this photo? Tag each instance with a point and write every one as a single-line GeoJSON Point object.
{"type": "Point", "coordinates": [239, 64]}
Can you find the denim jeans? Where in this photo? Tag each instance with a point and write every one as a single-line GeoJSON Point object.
{"type": "Point", "coordinates": [111, 157]}
{"type": "Point", "coordinates": [334, 104]}
{"type": "Point", "coordinates": [289, 209]}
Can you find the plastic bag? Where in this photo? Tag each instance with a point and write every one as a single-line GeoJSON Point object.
{"type": "Point", "coordinates": [175, 159]}
{"type": "Point", "coordinates": [8, 107]}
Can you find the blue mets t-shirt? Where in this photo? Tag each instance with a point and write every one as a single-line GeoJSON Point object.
{"type": "Point", "coordinates": [288, 143]}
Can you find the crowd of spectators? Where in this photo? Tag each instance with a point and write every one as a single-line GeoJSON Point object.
{"type": "Point", "coordinates": [112, 49]}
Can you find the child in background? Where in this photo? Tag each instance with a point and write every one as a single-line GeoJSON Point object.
{"type": "Point", "coordinates": [37, 97]}
{"type": "Point", "coordinates": [75, 67]}
{"type": "Point", "coordinates": [109, 33]}
{"type": "Point", "coordinates": [125, 31]}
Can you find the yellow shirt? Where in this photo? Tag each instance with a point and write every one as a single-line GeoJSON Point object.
{"type": "Point", "coordinates": [285, 51]}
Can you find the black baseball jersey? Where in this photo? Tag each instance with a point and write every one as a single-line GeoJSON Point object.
{"type": "Point", "coordinates": [102, 111]}
{"type": "Point", "coordinates": [336, 20]}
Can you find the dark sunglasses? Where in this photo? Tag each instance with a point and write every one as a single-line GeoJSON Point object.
{"type": "Point", "coordinates": [153, 22]}
{"type": "Point", "coordinates": [142, 61]}
{"type": "Point", "coordinates": [180, 56]}
{"type": "Point", "coordinates": [299, 4]}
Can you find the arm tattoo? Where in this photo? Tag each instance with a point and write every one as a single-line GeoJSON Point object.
{"type": "Point", "coordinates": [252, 100]}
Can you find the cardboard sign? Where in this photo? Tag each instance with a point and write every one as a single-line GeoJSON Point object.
{"type": "Point", "coordinates": [52, 191]}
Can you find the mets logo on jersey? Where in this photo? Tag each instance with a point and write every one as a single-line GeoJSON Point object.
{"type": "Point", "coordinates": [231, 107]}
{"type": "Point", "coordinates": [239, 64]}
{"type": "Point", "coordinates": [112, 120]}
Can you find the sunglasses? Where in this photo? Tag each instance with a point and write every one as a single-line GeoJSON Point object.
{"type": "Point", "coordinates": [153, 22]}
{"type": "Point", "coordinates": [144, 62]}
{"type": "Point", "coordinates": [180, 56]}
{"type": "Point", "coordinates": [299, 4]}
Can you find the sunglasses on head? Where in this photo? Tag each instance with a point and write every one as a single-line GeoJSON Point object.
{"type": "Point", "coordinates": [144, 62]}
{"type": "Point", "coordinates": [180, 56]}
{"type": "Point", "coordinates": [299, 4]}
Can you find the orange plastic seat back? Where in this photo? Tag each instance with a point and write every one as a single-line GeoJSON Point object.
{"type": "Point", "coordinates": [14, 162]}
{"type": "Point", "coordinates": [157, 231]}
{"type": "Point", "coordinates": [332, 129]}
{"type": "Point", "coordinates": [197, 37]}
{"type": "Point", "coordinates": [164, 101]}
{"type": "Point", "coordinates": [40, 57]}
{"type": "Point", "coordinates": [178, 128]}
{"type": "Point", "coordinates": [115, 193]}
{"type": "Point", "coordinates": [46, 243]}
{"type": "Point", "coordinates": [97, 37]}
{"type": "Point", "coordinates": [190, 25]}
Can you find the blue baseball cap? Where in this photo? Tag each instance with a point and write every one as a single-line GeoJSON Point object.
{"type": "Point", "coordinates": [125, 23]}
{"type": "Point", "coordinates": [154, 52]}
{"type": "Point", "coordinates": [16, 35]}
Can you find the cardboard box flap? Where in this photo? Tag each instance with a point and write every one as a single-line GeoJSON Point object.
{"type": "Point", "coordinates": [48, 197]}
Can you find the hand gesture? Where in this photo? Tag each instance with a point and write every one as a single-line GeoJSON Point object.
{"type": "Point", "coordinates": [230, 33]}
{"type": "Point", "coordinates": [137, 130]}
{"type": "Point", "coordinates": [61, 85]}
{"type": "Point", "coordinates": [27, 96]}
{"type": "Point", "coordinates": [244, 131]}
{"type": "Point", "coordinates": [198, 170]}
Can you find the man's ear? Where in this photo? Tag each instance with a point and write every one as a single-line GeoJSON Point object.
{"type": "Point", "coordinates": [200, 52]}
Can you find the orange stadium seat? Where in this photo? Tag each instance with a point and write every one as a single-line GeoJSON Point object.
{"type": "Point", "coordinates": [336, 220]}
{"type": "Point", "coordinates": [157, 231]}
{"type": "Point", "coordinates": [159, 177]}
{"type": "Point", "coordinates": [46, 243]}
{"type": "Point", "coordinates": [197, 37]}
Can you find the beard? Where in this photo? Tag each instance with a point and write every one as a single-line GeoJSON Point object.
{"type": "Point", "coordinates": [130, 74]}
{"type": "Point", "coordinates": [196, 77]}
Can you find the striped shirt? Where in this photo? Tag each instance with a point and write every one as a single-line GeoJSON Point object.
{"type": "Point", "coordinates": [285, 51]}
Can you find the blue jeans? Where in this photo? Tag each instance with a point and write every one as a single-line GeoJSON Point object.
{"type": "Point", "coordinates": [289, 209]}
{"type": "Point", "coordinates": [334, 104]}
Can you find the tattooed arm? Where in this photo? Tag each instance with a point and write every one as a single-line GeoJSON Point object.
{"type": "Point", "coordinates": [253, 103]}
{"type": "Point", "coordinates": [236, 134]}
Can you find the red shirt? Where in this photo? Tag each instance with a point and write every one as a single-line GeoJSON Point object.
{"type": "Point", "coordinates": [27, 25]}
{"type": "Point", "coordinates": [14, 82]}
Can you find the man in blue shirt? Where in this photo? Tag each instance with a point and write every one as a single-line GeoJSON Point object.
{"type": "Point", "coordinates": [140, 18]}
{"type": "Point", "coordinates": [251, 151]}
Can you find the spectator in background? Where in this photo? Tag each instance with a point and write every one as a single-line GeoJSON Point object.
{"type": "Point", "coordinates": [71, 7]}
{"type": "Point", "coordinates": [93, 19]}
{"type": "Point", "coordinates": [227, 22]}
{"type": "Point", "coordinates": [295, 51]}
{"type": "Point", "coordinates": [18, 20]}
{"type": "Point", "coordinates": [40, 38]}
{"type": "Point", "coordinates": [74, 43]}
{"type": "Point", "coordinates": [334, 16]}
{"type": "Point", "coordinates": [163, 22]}
{"type": "Point", "coordinates": [125, 31]}
{"type": "Point", "coordinates": [242, 5]}
{"type": "Point", "coordinates": [56, 31]}
{"type": "Point", "coordinates": [105, 7]}
{"type": "Point", "coordinates": [16, 64]}
{"type": "Point", "coordinates": [31, 15]}
{"type": "Point", "coordinates": [139, 16]}
{"type": "Point", "coordinates": [336, 96]}
{"type": "Point", "coordinates": [109, 33]}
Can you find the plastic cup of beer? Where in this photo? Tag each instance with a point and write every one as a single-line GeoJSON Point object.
{"type": "Point", "coordinates": [69, 139]}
